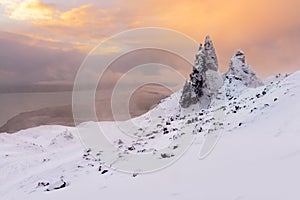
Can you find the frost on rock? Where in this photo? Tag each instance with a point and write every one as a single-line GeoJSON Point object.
{"type": "Point", "coordinates": [239, 70]}
{"type": "Point", "coordinates": [200, 88]}
{"type": "Point", "coordinates": [239, 77]}
{"type": "Point", "coordinates": [210, 55]}
{"type": "Point", "coordinates": [188, 96]}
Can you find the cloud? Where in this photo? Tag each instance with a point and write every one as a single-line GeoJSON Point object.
{"type": "Point", "coordinates": [31, 10]}
{"type": "Point", "coordinates": [78, 24]}
{"type": "Point", "coordinates": [22, 64]}
{"type": "Point", "coordinates": [84, 22]}
{"type": "Point", "coordinates": [268, 31]}
{"type": "Point", "coordinates": [251, 26]}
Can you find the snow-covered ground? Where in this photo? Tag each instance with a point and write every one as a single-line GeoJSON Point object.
{"type": "Point", "coordinates": [257, 156]}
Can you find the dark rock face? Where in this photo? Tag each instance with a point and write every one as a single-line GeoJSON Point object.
{"type": "Point", "coordinates": [210, 55]}
{"type": "Point", "coordinates": [188, 97]}
{"type": "Point", "coordinates": [198, 88]}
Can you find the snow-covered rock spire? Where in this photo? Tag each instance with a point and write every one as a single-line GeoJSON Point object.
{"type": "Point", "coordinates": [241, 71]}
{"type": "Point", "coordinates": [199, 89]}
{"type": "Point", "coordinates": [211, 56]}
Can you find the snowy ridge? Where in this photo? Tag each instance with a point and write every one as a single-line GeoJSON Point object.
{"type": "Point", "coordinates": [257, 157]}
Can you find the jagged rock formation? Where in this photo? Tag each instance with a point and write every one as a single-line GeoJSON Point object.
{"type": "Point", "coordinates": [188, 97]}
{"type": "Point", "coordinates": [210, 58]}
{"type": "Point", "coordinates": [199, 88]}
{"type": "Point", "coordinates": [239, 77]}
{"type": "Point", "coordinates": [205, 80]}
{"type": "Point", "coordinates": [239, 70]}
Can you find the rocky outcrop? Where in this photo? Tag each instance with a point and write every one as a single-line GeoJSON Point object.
{"type": "Point", "coordinates": [211, 59]}
{"type": "Point", "coordinates": [241, 71]}
{"type": "Point", "coordinates": [200, 88]}
{"type": "Point", "coordinates": [239, 77]}
{"type": "Point", "coordinates": [188, 97]}
{"type": "Point", "coordinates": [205, 80]}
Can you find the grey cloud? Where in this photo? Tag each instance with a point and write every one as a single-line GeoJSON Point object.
{"type": "Point", "coordinates": [22, 64]}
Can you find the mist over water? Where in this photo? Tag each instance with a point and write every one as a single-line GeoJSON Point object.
{"type": "Point", "coordinates": [13, 104]}
{"type": "Point", "coordinates": [25, 110]}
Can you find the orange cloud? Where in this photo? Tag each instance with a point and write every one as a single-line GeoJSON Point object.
{"type": "Point", "coordinates": [84, 26]}
{"type": "Point", "coordinates": [81, 17]}
{"type": "Point", "coordinates": [29, 10]}
{"type": "Point", "coordinates": [250, 25]}
{"type": "Point", "coordinates": [81, 27]}
{"type": "Point", "coordinates": [232, 19]}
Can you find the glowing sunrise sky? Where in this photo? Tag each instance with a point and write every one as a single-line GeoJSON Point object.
{"type": "Point", "coordinates": [45, 41]}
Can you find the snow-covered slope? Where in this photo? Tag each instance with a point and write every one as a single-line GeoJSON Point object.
{"type": "Point", "coordinates": [257, 156]}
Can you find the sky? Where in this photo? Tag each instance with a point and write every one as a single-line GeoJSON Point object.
{"type": "Point", "coordinates": [44, 42]}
